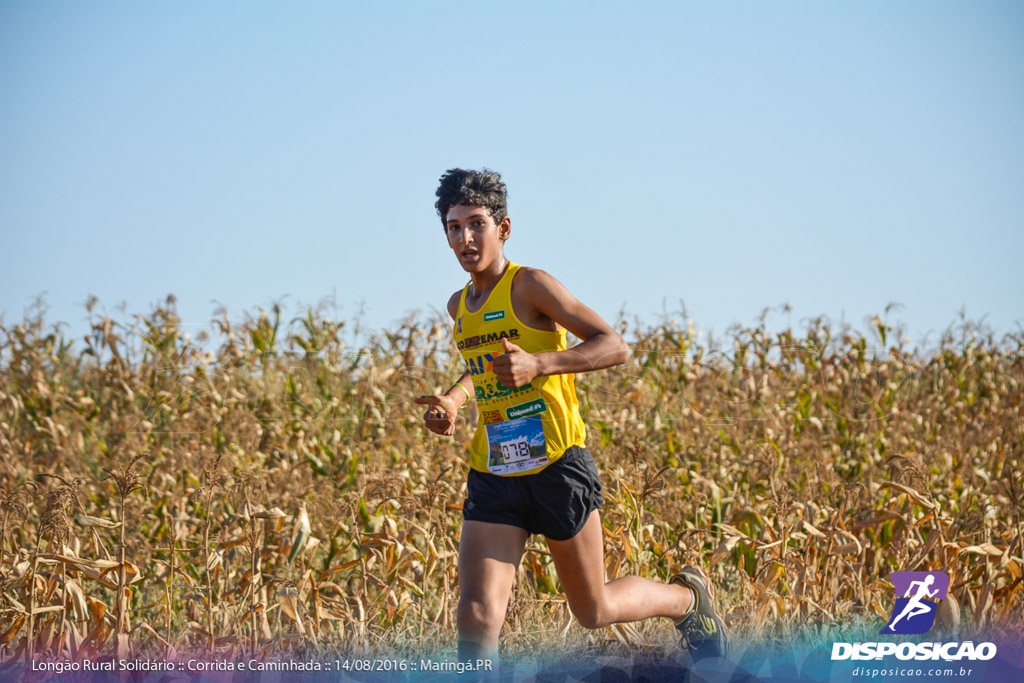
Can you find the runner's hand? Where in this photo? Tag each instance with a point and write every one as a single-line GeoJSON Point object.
{"type": "Point", "coordinates": [517, 367]}
{"type": "Point", "coordinates": [440, 416]}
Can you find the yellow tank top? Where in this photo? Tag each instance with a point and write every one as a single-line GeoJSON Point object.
{"type": "Point", "coordinates": [521, 430]}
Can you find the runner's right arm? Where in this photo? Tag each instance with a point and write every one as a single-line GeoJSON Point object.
{"type": "Point", "coordinates": [440, 416]}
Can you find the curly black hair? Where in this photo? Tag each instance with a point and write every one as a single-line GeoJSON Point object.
{"type": "Point", "coordinates": [474, 188]}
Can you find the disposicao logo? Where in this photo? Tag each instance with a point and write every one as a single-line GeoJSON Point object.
{"type": "Point", "coordinates": [917, 599]}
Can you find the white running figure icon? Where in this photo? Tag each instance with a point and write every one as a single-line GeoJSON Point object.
{"type": "Point", "coordinates": [914, 606]}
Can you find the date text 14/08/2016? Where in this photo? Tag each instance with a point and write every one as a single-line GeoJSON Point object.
{"type": "Point", "coordinates": [413, 665]}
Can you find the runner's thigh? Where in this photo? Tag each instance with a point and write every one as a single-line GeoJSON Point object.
{"type": "Point", "coordinates": [488, 557]}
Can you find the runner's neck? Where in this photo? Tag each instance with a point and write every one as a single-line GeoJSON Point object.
{"type": "Point", "coordinates": [483, 284]}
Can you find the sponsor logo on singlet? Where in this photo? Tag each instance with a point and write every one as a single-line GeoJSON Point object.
{"type": "Point", "coordinates": [531, 408]}
{"type": "Point", "coordinates": [481, 364]}
{"type": "Point", "coordinates": [492, 391]}
{"type": "Point", "coordinates": [490, 337]}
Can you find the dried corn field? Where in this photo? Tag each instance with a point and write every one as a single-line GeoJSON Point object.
{"type": "Point", "coordinates": [276, 493]}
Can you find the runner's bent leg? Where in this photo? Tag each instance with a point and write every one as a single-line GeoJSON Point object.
{"type": "Point", "coordinates": [488, 557]}
{"type": "Point", "coordinates": [579, 562]}
{"type": "Point", "coordinates": [918, 610]}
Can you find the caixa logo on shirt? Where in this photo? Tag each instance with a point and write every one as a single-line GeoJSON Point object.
{"type": "Point", "coordinates": [481, 364]}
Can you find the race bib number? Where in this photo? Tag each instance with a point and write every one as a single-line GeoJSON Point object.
{"type": "Point", "coordinates": [516, 445]}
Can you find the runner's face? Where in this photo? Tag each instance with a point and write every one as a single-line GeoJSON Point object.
{"type": "Point", "coordinates": [474, 236]}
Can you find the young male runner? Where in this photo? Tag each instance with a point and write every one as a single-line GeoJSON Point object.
{"type": "Point", "coordinates": [529, 470]}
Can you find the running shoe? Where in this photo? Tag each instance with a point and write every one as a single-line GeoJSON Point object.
{"type": "Point", "coordinates": [702, 629]}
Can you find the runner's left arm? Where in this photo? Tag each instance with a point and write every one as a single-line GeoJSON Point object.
{"type": "Point", "coordinates": [601, 346]}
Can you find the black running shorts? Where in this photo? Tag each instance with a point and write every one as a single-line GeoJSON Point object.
{"type": "Point", "coordinates": [555, 502]}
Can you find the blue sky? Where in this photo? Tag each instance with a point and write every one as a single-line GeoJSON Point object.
{"type": "Point", "coordinates": [729, 155]}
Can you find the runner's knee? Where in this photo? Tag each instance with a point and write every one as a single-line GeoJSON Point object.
{"type": "Point", "coordinates": [477, 616]}
{"type": "Point", "coordinates": [590, 613]}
